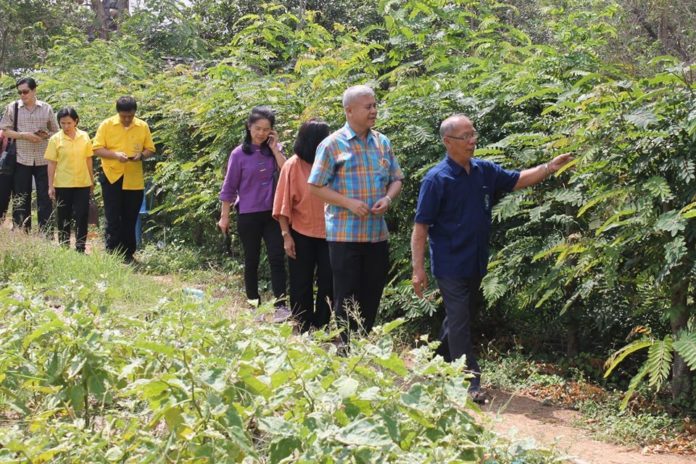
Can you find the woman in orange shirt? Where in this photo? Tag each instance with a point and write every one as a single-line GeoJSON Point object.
{"type": "Point", "coordinates": [301, 218]}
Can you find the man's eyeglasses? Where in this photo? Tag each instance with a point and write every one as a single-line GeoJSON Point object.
{"type": "Point", "coordinates": [23, 91]}
{"type": "Point", "coordinates": [469, 136]}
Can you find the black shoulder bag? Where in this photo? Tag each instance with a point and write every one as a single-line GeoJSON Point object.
{"type": "Point", "coordinates": [8, 158]}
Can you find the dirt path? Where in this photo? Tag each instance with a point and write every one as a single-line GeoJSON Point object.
{"type": "Point", "coordinates": [551, 426]}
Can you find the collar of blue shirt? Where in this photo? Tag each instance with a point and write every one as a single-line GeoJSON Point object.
{"type": "Point", "coordinates": [457, 168]}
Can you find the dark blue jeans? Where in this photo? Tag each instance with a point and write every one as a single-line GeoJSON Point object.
{"type": "Point", "coordinates": [462, 298]}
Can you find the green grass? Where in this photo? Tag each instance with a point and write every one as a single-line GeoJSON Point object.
{"type": "Point", "coordinates": [45, 267]}
{"type": "Point", "coordinates": [607, 422]}
{"type": "Point", "coordinates": [514, 372]}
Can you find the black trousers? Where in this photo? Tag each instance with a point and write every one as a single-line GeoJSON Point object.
{"type": "Point", "coordinates": [359, 275]}
{"type": "Point", "coordinates": [121, 209]}
{"type": "Point", "coordinates": [252, 227]}
{"type": "Point", "coordinates": [21, 213]}
{"type": "Point", "coordinates": [463, 299]}
{"type": "Point", "coordinates": [311, 255]}
{"type": "Point", "coordinates": [6, 188]}
{"type": "Point", "coordinates": [72, 203]}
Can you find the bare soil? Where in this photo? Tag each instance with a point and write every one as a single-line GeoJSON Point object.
{"type": "Point", "coordinates": [520, 418]}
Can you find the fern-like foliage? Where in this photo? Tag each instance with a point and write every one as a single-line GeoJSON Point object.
{"type": "Point", "coordinates": [659, 361]}
{"type": "Point", "coordinates": [633, 385]}
{"type": "Point", "coordinates": [616, 358]}
{"type": "Point", "coordinates": [685, 346]}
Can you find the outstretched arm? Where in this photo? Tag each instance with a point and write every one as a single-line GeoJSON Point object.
{"type": "Point", "coordinates": [535, 175]}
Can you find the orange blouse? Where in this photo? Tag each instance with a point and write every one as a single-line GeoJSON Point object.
{"type": "Point", "coordinates": [305, 212]}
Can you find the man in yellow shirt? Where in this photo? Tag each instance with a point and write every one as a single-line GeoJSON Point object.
{"type": "Point", "coordinates": [122, 142]}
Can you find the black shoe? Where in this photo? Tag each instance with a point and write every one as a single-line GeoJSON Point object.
{"type": "Point", "coordinates": [478, 397]}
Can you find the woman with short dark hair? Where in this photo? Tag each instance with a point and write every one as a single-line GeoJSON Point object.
{"type": "Point", "coordinates": [70, 177]}
{"type": "Point", "coordinates": [301, 218]}
{"type": "Point", "coordinates": [248, 185]}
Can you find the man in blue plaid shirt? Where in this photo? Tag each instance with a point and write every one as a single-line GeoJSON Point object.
{"type": "Point", "coordinates": [356, 173]}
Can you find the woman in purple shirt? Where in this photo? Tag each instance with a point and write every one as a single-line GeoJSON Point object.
{"type": "Point", "coordinates": [249, 185]}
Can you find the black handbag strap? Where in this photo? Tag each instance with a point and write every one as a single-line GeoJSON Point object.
{"type": "Point", "coordinates": [16, 115]}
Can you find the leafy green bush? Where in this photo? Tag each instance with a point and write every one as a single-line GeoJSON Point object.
{"type": "Point", "coordinates": [605, 246]}
{"type": "Point", "coordinates": [81, 381]}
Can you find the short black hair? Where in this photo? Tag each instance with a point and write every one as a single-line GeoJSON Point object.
{"type": "Point", "coordinates": [67, 111]}
{"type": "Point", "coordinates": [126, 104]}
{"type": "Point", "coordinates": [26, 80]}
{"type": "Point", "coordinates": [309, 137]}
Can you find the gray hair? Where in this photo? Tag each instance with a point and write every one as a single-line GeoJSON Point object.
{"type": "Point", "coordinates": [448, 124]}
{"type": "Point", "coordinates": [355, 92]}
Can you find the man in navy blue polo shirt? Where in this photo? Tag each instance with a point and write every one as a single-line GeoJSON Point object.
{"type": "Point", "coordinates": [454, 212]}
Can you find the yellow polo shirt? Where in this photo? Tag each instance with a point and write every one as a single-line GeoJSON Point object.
{"type": "Point", "coordinates": [70, 156]}
{"type": "Point", "coordinates": [130, 140]}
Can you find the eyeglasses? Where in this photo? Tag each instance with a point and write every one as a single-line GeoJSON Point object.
{"type": "Point", "coordinates": [471, 135]}
{"type": "Point", "coordinates": [23, 91]}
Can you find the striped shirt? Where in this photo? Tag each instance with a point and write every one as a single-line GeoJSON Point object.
{"type": "Point", "coordinates": [41, 117]}
{"type": "Point", "coordinates": [357, 169]}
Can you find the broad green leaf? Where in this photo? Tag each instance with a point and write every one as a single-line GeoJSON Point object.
{"type": "Point", "coordinates": [364, 432]}
{"type": "Point", "coordinates": [155, 347]}
{"type": "Point", "coordinates": [346, 386]}
{"type": "Point", "coordinates": [43, 329]}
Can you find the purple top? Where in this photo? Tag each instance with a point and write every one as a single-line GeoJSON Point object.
{"type": "Point", "coordinates": [249, 181]}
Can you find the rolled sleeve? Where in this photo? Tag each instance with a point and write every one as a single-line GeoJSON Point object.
{"type": "Point", "coordinates": [51, 153]}
{"type": "Point", "coordinates": [505, 179]}
{"type": "Point", "coordinates": [230, 186]}
{"type": "Point", "coordinates": [395, 173]}
{"type": "Point", "coordinates": [323, 167]}
{"type": "Point", "coordinates": [148, 144]}
{"type": "Point", "coordinates": [100, 137]}
{"type": "Point", "coordinates": [428, 206]}
{"type": "Point", "coordinates": [282, 202]}
{"type": "Point", "coordinates": [53, 126]}
{"type": "Point", "coordinates": [89, 149]}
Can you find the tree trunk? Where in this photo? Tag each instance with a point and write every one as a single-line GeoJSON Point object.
{"type": "Point", "coordinates": [123, 7]}
{"type": "Point", "coordinates": [102, 17]}
{"type": "Point", "coordinates": [681, 374]}
{"type": "Point", "coordinates": [3, 50]}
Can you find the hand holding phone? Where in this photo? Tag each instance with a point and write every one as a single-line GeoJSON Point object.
{"type": "Point", "coordinates": [272, 139]}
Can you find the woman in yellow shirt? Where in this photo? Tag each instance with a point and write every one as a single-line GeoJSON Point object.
{"type": "Point", "coordinates": [70, 177]}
